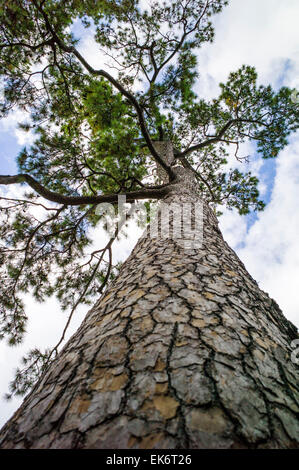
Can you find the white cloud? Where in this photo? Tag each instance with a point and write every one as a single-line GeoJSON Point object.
{"type": "Point", "coordinates": [263, 34]}
{"type": "Point", "coordinates": [92, 52]}
{"type": "Point", "coordinates": [271, 247]}
{"type": "Point", "coordinates": [9, 125]}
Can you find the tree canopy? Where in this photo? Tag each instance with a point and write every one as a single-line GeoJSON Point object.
{"type": "Point", "coordinates": [95, 131]}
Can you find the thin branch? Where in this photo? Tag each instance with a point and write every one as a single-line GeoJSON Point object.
{"type": "Point", "coordinates": [26, 201]}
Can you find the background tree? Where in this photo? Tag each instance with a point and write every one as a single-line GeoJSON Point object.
{"type": "Point", "coordinates": [96, 138]}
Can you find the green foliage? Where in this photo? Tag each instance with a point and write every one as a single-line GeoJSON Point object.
{"type": "Point", "coordinates": [34, 364]}
{"type": "Point", "coordinates": [92, 135]}
{"type": "Point", "coordinates": [264, 116]}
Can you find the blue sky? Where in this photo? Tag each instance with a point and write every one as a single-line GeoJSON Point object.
{"type": "Point", "coordinates": [263, 34]}
{"type": "Point", "coordinates": [9, 149]}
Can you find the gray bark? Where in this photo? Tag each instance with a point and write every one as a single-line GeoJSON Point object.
{"type": "Point", "coordinates": [182, 351]}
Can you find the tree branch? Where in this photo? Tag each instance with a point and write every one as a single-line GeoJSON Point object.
{"type": "Point", "coordinates": [156, 192]}
{"type": "Point", "coordinates": [49, 42]}
{"type": "Point", "coordinates": [209, 141]}
{"type": "Point", "coordinates": [219, 136]}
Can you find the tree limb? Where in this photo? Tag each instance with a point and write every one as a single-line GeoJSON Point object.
{"type": "Point", "coordinates": [209, 141]}
{"type": "Point", "coordinates": [156, 192]}
{"type": "Point", "coordinates": [219, 136]}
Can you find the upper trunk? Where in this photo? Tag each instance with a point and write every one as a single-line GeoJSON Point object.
{"type": "Point", "coordinates": [182, 351]}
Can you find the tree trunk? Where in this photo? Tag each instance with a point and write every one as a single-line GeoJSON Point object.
{"type": "Point", "coordinates": [182, 351]}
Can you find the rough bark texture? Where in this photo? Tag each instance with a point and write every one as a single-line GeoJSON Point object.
{"type": "Point", "coordinates": [183, 351]}
{"type": "Point", "coordinates": [166, 150]}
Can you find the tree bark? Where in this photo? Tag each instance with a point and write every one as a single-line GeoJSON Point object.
{"type": "Point", "coordinates": [182, 351]}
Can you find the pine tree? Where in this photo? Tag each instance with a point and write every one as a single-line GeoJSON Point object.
{"type": "Point", "coordinates": [182, 349]}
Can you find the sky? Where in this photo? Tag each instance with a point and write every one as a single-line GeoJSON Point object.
{"type": "Point", "coordinates": [261, 33]}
